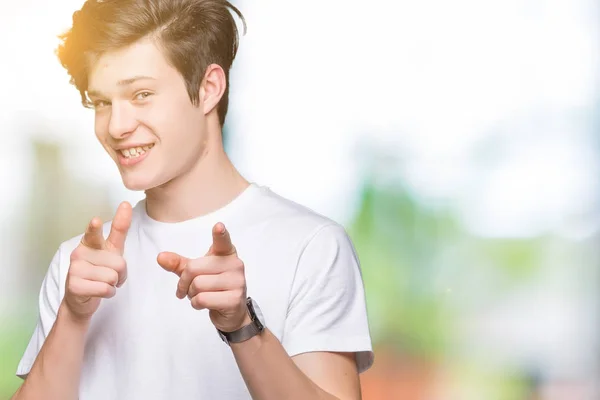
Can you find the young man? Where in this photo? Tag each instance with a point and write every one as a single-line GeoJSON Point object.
{"type": "Point", "coordinates": [211, 287]}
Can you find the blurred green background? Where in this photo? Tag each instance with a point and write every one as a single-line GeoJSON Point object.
{"type": "Point", "coordinates": [458, 143]}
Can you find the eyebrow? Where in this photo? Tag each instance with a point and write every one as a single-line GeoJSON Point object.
{"type": "Point", "coordinates": [122, 82]}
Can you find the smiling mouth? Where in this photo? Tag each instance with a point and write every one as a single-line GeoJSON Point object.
{"type": "Point", "coordinates": [134, 152]}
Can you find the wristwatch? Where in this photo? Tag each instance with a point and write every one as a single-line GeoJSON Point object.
{"type": "Point", "coordinates": [255, 327]}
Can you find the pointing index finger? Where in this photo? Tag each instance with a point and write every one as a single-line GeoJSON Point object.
{"type": "Point", "coordinates": [93, 237]}
{"type": "Point", "coordinates": [119, 227]}
{"type": "Point", "coordinates": [222, 245]}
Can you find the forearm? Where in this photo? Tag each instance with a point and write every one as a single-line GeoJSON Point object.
{"type": "Point", "coordinates": [56, 370]}
{"type": "Point", "coordinates": [270, 373]}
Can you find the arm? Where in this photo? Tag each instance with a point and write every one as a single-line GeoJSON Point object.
{"type": "Point", "coordinates": [96, 269]}
{"type": "Point", "coordinates": [326, 339]}
{"type": "Point", "coordinates": [55, 372]}
{"type": "Point", "coordinates": [326, 329]}
{"type": "Point", "coordinates": [270, 373]}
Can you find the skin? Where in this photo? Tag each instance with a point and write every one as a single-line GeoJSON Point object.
{"type": "Point", "coordinates": [140, 99]}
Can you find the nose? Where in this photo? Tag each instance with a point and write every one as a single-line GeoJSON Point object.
{"type": "Point", "coordinates": [122, 120]}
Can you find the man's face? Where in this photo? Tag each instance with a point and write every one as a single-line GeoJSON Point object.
{"type": "Point", "coordinates": [144, 117]}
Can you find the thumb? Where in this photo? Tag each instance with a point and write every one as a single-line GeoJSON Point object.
{"type": "Point", "coordinates": [172, 262]}
{"type": "Point", "coordinates": [93, 237]}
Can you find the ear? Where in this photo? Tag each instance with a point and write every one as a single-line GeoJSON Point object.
{"type": "Point", "coordinates": [212, 88]}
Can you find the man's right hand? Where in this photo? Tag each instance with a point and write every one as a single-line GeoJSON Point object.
{"type": "Point", "coordinates": [97, 265]}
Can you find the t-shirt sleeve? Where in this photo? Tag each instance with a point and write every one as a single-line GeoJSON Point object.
{"type": "Point", "coordinates": [327, 307]}
{"type": "Point", "coordinates": [48, 303]}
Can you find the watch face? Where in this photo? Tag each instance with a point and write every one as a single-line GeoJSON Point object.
{"type": "Point", "coordinates": [253, 307]}
{"type": "Point", "coordinates": [222, 336]}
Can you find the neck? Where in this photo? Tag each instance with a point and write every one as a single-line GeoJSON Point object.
{"type": "Point", "coordinates": [209, 185]}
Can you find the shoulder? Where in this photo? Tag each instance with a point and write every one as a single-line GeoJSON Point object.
{"type": "Point", "coordinates": [291, 220]}
{"type": "Point", "coordinates": [296, 240]}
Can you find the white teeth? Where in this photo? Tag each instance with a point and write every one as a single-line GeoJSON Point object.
{"type": "Point", "coordinates": [136, 151]}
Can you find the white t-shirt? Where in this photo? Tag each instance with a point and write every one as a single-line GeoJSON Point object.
{"type": "Point", "coordinates": [145, 343]}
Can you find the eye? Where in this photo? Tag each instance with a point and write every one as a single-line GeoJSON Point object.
{"type": "Point", "coordinates": [142, 95]}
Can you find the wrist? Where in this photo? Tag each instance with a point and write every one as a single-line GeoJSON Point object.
{"type": "Point", "coordinates": [246, 321]}
{"type": "Point", "coordinates": [251, 325]}
{"type": "Point", "coordinates": [68, 317]}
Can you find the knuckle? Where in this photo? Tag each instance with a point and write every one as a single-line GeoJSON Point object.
{"type": "Point", "coordinates": [75, 287]}
{"type": "Point", "coordinates": [108, 291]}
{"type": "Point", "coordinates": [70, 286]}
{"type": "Point", "coordinates": [196, 284]}
{"type": "Point", "coordinates": [239, 281]}
{"type": "Point", "coordinates": [239, 264]}
{"type": "Point", "coordinates": [76, 267]}
{"type": "Point", "coordinates": [72, 268]}
{"type": "Point", "coordinates": [77, 253]}
{"type": "Point", "coordinates": [121, 265]}
{"type": "Point", "coordinates": [197, 303]}
{"type": "Point", "coordinates": [114, 278]}
{"type": "Point", "coordinates": [238, 294]}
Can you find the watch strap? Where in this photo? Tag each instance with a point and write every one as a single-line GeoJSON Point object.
{"type": "Point", "coordinates": [242, 334]}
{"type": "Point", "coordinates": [246, 332]}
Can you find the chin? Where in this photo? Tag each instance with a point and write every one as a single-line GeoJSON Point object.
{"type": "Point", "coordinates": [138, 184]}
{"type": "Point", "coordinates": [141, 182]}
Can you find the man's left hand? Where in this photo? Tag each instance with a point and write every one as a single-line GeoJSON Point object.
{"type": "Point", "coordinates": [216, 281]}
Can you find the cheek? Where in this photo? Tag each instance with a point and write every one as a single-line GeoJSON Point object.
{"type": "Point", "coordinates": [100, 127]}
{"type": "Point", "coordinates": [176, 125]}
